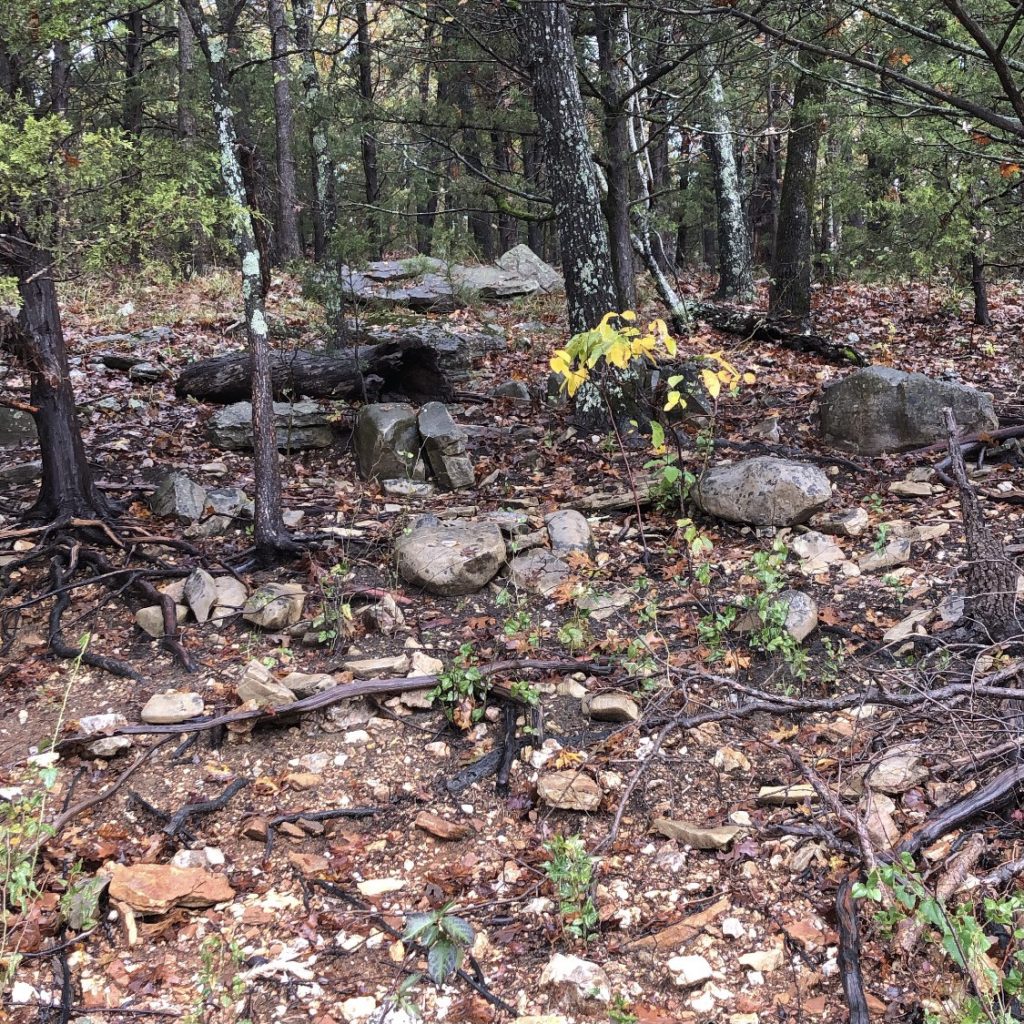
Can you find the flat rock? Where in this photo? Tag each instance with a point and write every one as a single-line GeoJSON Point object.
{"type": "Point", "coordinates": [913, 624]}
{"type": "Point", "coordinates": [524, 262]}
{"type": "Point", "coordinates": [231, 593]}
{"type": "Point", "coordinates": [689, 971]}
{"type": "Point", "coordinates": [304, 684]}
{"type": "Point", "coordinates": [156, 888]}
{"type": "Point", "coordinates": [581, 981]}
{"type": "Point", "coordinates": [569, 790]}
{"type": "Point", "coordinates": [538, 572]}
{"type": "Point", "coordinates": [911, 489]}
{"type": "Point", "coordinates": [763, 491]}
{"type": "Point", "coordinates": [151, 619]}
{"type": "Point", "coordinates": [801, 616]}
{"type": "Point", "coordinates": [450, 559]}
{"type": "Point", "coordinates": [230, 501]}
{"type": "Point", "coordinates": [296, 425]}
{"type": "Point", "coordinates": [513, 389]}
{"type": "Point", "coordinates": [21, 473]}
{"type": "Point", "coordinates": [275, 606]}
{"type": "Point", "coordinates": [817, 552]}
{"type": "Point", "coordinates": [763, 960]}
{"type": "Point", "coordinates": [387, 442]}
{"type": "Point", "coordinates": [258, 686]}
{"type": "Point", "coordinates": [786, 796]}
{"type": "Point", "coordinates": [896, 552]}
{"type": "Point", "coordinates": [444, 443]}
{"type": "Point", "coordinates": [441, 828]}
{"type": "Point", "coordinates": [569, 531]}
{"type": "Point", "coordinates": [200, 593]}
{"type": "Point", "coordinates": [850, 522]}
{"type": "Point", "coordinates": [600, 607]}
{"type": "Point", "coordinates": [899, 769]}
{"type": "Point", "coordinates": [879, 409]}
{"type": "Point", "coordinates": [171, 707]}
{"type": "Point", "coordinates": [697, 836]}
{"type": "Point", "coordinates": [408, 488]}
{"type": "Point", "coordinates": [378, 668]}
{"type": "Point", "coordinates": [611, 706]}
{"type": "Point", "coordinates": [16, 427]}
{"type": "Point", "coordinates": [179, 496]}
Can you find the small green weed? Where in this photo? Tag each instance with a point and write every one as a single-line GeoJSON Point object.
{"type": "Point", "coordinates": [446, 938]}
{"type": "Point", "coordinates": [462, 690]}
{"type": "Point", "coordinates": [570, 870]}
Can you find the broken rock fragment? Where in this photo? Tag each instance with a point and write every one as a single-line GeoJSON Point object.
{"type": "Point", "coordinates": [156, 888]}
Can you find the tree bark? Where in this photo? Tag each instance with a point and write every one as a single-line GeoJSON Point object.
{"type": "Point", "coordinates": [270, 536]}
{"type": "Point", "coordinates": [288, 246]}
{"type": "Point", "coordinates": [790, 291]}
{"type": "Point", "coordinates": [131, 125]}
{"type": "Point", "coordinates": [367, 140]}
{"type": "Point", "coordinates": [735, 277]}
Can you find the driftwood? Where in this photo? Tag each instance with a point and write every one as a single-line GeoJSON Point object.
{"type": "Point", "coordinates": [368, 371]}
{"type": "Point", "coordinates": [757, 325]}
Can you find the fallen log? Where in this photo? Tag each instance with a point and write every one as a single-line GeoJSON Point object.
{"type": "Point", "coordinates": [364, 373]}
{"type": "Point", "coordinates": [757, 325]}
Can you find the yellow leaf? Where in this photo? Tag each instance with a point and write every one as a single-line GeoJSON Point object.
{"type": "Point", "coordinates": [670, 344]}
{"type": "Point", "coordinates": [749, 378]}
{"type": "Point", "coordinates": [712, 383]}
{"type": "Point", "coordinates": [675, 400]}
{"type": "Point", "coordinates": [628, 315]}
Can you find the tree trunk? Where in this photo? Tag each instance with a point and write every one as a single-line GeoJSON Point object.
{"type": "Point", "coordinates": [367, 141]}
{"type": "Point", "coordinates": [269, 533]}
{"type": "Point", "coordinates": [531, 173]}
{"type": "Point", "coordinates": [508, 226]}
{"type": "Point", "coordinates": [321, 167]}
{"type": "Point", "coordinates": [617, 157]}
{"type": "Point", "coordinates": [131, 125]}
{"type": "Point", "coordinates": [764, 201]}
{"type": "Point", "coordinates": [790, 291]}
{"type": "Point", "coordinates": [288, 246]}
{"type": "Point", "coordinates": [982, 318]}
{"type": "Point", "coordinates": [735, 277]}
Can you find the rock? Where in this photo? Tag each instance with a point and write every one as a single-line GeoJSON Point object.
{"type": "Point", "coordinates": [444, 443]}
{"type": "Point", "coordinates": [441, 828]}
{"type": "Point", "coordinates": [569, 531]}
{"type": "Point", "coordinates": [230, 501]}
{"type": "Point", "coordinates": [357, 1008]}
{"type": "Point", "coordinates": [850, 522]}
{"type": "Point", "coordinates": [151, 619]}
{"type": "Point", "coordinates": [611, 706]}
{"type": "Point", "coordinates": [763, 491]}
{"type": "Point", "coordinates": [456, 346]}
{"type": "Point", "coordinates": [109, 746]}
{"type": "Point", "coordinates": [384, 616]}
{"type": "Point", "coordinates": [450, 559]}
{"type": "Point", "coordinates": [21, 473]}
{"type": "Point", "coordinates": [105, 746]}
{"type": "Point", "coordinates": [514, 389]}
{"type": "Point", "coordinates": [879, 409]}
{"type": "Point", "coordinates": [297, 425]}
{"type": "Point", "coordinates": [569, 790]}
{"type": "Point", "coordinates": [913, 624]}
{"type": "Point", "coordinates": [387, 442]}
{"type": "Point", "coordinates": [538, 572]}
{"type": "Point", "coordinates": [147, 373]}
{"type": "Point", "coordinates": [178, 496]}
{"type": "Point", "coordinates": [255, 828]}
{"type": "Point", "coordinates": [171, 707]}
{"type": "Point", "coordinates": [200, 593]}
{"type": "Point", "coordinates": [896, 552]}
{"type": "Point", "coordinates": [697, 836]}
{"type": "Point", "coordinates": [407, 488]}
{"type": "Point", "coordinates": [689, 971]}
{"type": "Point", "coordinates": [378, 668]}
{"type": "Point", "coordinates": [911, 489]}
{"type": "Point", "coordinates": [767, 430]}
{"type": "Point", "coordinates": [275, 606]}
{"type": "Point", "coordinates": [801, 616]}
{"type": "Point", "coordinates": [422, 664]}
{"type": "Point", "coordinates": [877, 810]}
{"type": "Point", "coordinates": [817, 552]}
{"type": "Point", "coordinates": [303, 684]}
{"type": "Point", "coordinates": [900, 768]}
{"type": "Point", "coordinates": [380, 886]}
{"type": "Point", "coordinates": [763, 960]}
{"type": "Point", "coordinates": [524, 262]}
{"type": "Point", "coordinates": [231, 593]}
{"type": "Point", "coordinates": [600, 607]}
{"type": "Point", "coordinates": [786, 796]}
{"type": "Point", "coordinates": [483, 282]}
{"type": "Point", "coordinates": [208, 857]}
{"type": "Point", "coordinates": [258, 686]}
{"type": "Point", "coordinates": [728, 760]}
{"type": "Point", "coordinates": [581, 981]}
{"type": "Point", "coordinates": [16, 427]}
{"type": "Point", "coordinates": [156, 888]}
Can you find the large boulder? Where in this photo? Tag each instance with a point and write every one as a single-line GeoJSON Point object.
{"type": "Point", "coordinates": [451, 559]}
{"type": "Point", "coordinates": [488, 282]}
{"type": "Point", "coordinates": [178, 495]}
{"type": "Point", "coordinates": [879, 409]}
{"type": "Point", "coordinates": [444, 443]}
{"type": "Point", "coordinates": [763, 492]}
{"type": "Point", "coordinates": [387, 442]}
{"type": "Point", "coordinates": [522, 260]}
{"type": "Point", "coordinates": [300, 425]}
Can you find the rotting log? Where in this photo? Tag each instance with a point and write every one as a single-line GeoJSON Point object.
{"type": "Point", "coordinates": [757, 325]}
{"type": "Point", "coordinates": [364, 373]}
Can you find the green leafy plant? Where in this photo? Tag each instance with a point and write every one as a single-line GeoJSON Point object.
{"type": "Point", "coordinates": [462, 689]}
{"type": "Point", "coordinates": [874, 503]}
{"type": "Point", "coordinates": [619, 1011]}
{"type": "Point", "coordinates": [575, 634]}
{"type": "Point", "coordinates": [881, 537]}
{"type": "Point", "coordinates": [335, 617]}
{"type": "Point", "coordinates": [570, 869]}
{"type": "Point", "coordinates": [219, 982]}
{"type": "Point", "coordinates": [444, 936]}
{"type": "Point", "coordinates": [897, 586]}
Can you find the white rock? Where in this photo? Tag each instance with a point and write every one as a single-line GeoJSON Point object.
{"type": "Point", "coordinates": [763, 960]}
{"type": "Point", "coordinates": [585, 979]}
{"type": "Point", "coordinates": [689, 971]}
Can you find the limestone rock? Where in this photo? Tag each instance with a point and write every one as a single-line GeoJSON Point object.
{"type": "Point", "coordinates": [896, 552]}
{"type": "Point", "coordinates": [450, 559]}
{"type": "Point", "coordinates": [407, 488]}
{"type": "Point", "coordinates": [524, 262]}
{"type": "Point", "coordinates": [156, 888]}
{"type": "Point", "coordinates": [441, 828]}
{"type": "Point", "coordinates": [582, 981]}
{"type": "Point", "coordinates": [16, 427]}
{"type": "Point", "coordinates": [850, 522]}
{"type": "Point", "coordinates": [611, 706]}
{"type": "Point", "coordinates": [304, 684]}
{"type": "Point", "coordinates": [763, 960]}
{"type": "Point", "coordinates": [538, 572]}
{"type": "Point", "coordinates": [801, 616]}
{"type": "Point", "coordinates": [200, 593]}
{"type": "Point", "coordinates": [697, 836]}
{"type": "Point", "coordinates": [514, 389]}
{"type": "Point", "coordinates": [569, 531]}
{"type": "Point", "coordinates": [275, 606]}
{"type": "Point", "coordinates": [444, 443]}
{"type": "Point", "coordinates": [297, 425]}
{"type": "Point", "coordinates": [178, 496]}
{"type": "Point", "coordinates": [259, 687]}
{"type": "Point", "coordinates": [689, 971]}
{"type": "Point", "coordinates": [879, 409]}
{"type": "Point", "coordinates": [387, 442]}
{"type": "Point", "coordinates": [900, 768]}
{"type": "Point", "coordinates": [569, 790]}
{"type": "Point", "coordinates": [171, 707]}
{"type": "Point", "coordinates": [151, 619]}
{"type": "Point", "coordinates": [763, 491]}
{"type": "Point", "coordinates": [817, 552]}
{"type": "Point", "coordinates": [105, 746]}
{"type": "Point", "coordinates": [231, 593]}
{"type": "Point", "coordinates": [378, 668]}
{"type": "Point", "coordinates": [230, 501]}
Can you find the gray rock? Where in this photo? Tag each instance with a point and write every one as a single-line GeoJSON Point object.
{"type": "Point", "coordinates": [444, 443]}
{"type": "Point", "coordinates": [147, 373]}
{"type": "Point", "coordinates": [801, 616]}
{"type": "Point", "coordinates": [171, 707]}
{"type": "Point", "coordinates": [850, 522]}
{"type": "Point", "coordinates": [538, 572]}
{"type": "Point", "coordinates": [304, 684]}
{"type": "Point", "coordinates": [581, 981]}
{"type": "Point", "coordinates": [524, 262]}
{"type": "Point", "coordinates": [258, 686]}
{"type": "Point", "coordinates": [514, 389]}
{"type": "Point", "coordinates": [387, 442]}
{"type": "Point", "coordinates": [178, 496]}
{"type": "Point", "coordinates": [451, 558]}
{"type": "Point", "coordinates": [896, 552]}
{"type": "Point", "coordinates": [298, 425]}
{"type": "Point", "coordinates": [407, 488]}
{"type": "Point", "coordinates": [569, 790]}
{"type": "Point", "coordinates": [275, 606]}
{"type": "Point", "coordinates": [763, 492]}
{"type": "Point", "coordinates": [569, 531]}
{"type": "Point", "coordinates": [512, 524]}
{"type": "Point", "coordinates": [611, 706]}
{"type": "Point", "coordinates": [378, 668]}
{"type": "Point", "coordinates": [200, 594]}
{"type": "Point", "coordinates": [231, 593]}
{"type": "Point", "coordinates": [230, 501]}
{"type": "Point", "coordinates": [119, 360]}
{"type": "Point", "coordinates": [492, 283]}
{"type": "Point", "coordinates": [16, 427]}
{"type": "Point", "coordinates": [106, 746]}
{"type": "Point", "coordinates": [457, 347]}
{"type": "Point", "coordinates": [151, 619]}
{"type": "Point", "coordinates": [21, 473]}
{"type": "Point", "coordinates": [879, 409]}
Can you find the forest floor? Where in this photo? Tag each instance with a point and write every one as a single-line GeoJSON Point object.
{"type": "Point", "coordinates": [761, 912]}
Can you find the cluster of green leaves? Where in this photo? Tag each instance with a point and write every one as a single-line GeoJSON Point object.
{"type": "Point", "coordinates": [570, 869]}
{"type": "Point", "coordinates": [335, 612]}
{"type": "Point", "coordinates": [962, 933]}
{"type": "Point", "coordinates": [219, 982]}
{"type": "Point", "coordinates": [446, 938]}
{"type": "Point", "coordinates": [462, 689]}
